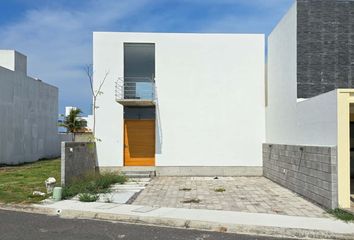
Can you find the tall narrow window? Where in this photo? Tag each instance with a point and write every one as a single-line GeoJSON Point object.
{"type": "Point", "coordinates": [139, 70]}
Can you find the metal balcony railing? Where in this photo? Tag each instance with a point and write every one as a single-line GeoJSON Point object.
{"type": "Point", "coordinates": [135, 88]}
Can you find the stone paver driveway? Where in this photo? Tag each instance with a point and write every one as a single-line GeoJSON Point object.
{"type": "Point", "coordinates": [245, 194]}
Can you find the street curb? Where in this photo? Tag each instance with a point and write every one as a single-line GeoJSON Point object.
{"type": "Point", "coordinates": [26, 209]}
{"type": "Point", "coordinates": [182, 223]}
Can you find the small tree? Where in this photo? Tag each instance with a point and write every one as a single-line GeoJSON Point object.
{"type": "Point", "coordinates": [95, 92]}
{"type": "Point", "coordinates": [73, 122]}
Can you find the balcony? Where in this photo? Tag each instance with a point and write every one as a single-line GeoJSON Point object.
{"type": "Point", "coordinates": [135, 91]}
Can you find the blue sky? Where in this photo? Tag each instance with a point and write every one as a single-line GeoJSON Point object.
{"type": "Point", "coordinates": [56, 35]}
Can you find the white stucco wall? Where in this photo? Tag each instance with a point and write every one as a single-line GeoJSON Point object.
{"type": "Point", "coordinates": [310, 122]}
{"type": "Point", "coordinates": [281, 80]}
{"type": "Point", "coordinates": [316, 120]}
{"type": "Point", "coordinates": [210, 90]}
{"type": "Point", "coordinates": [28, 113]}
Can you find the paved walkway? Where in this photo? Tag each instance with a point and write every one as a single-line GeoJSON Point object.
{"type": "Point", "coordinates": [243, 194]}
{"type": "Point", "coordinates": [119, 193]}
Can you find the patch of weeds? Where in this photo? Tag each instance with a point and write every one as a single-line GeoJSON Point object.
{"type": "Point", "coordinates": [342, 215]}
{"type": "Point", "coordinates": [185, 189]}
{"type": "Point", "coordinates": [220, 189]}
{"type": "Point", "coordinates": [193, 200]}
{"type": "Point", "coordinates": [93, 184]}
{"type": "Point", "coordinates": [106, 180]}
{"type": "Point", "coordinates": [87, 197]}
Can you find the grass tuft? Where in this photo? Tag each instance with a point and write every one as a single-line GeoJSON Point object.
{"type": "Point", "coordinates": [93, 184]}
{"type": "Point", "coordinates": [219, 190]}
{"type": "Point", "coordinates": [193, 200]}
{"type": "Point", "coordinates": [87, 197]}
{"type": "Point", "coordinates": [342, 215]}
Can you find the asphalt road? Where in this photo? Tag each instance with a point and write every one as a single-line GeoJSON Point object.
{"type": "Point", "coordinates": [18, 225]}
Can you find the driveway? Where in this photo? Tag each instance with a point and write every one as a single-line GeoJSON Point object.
{"type": "Point", "coordinates": [244, 194]}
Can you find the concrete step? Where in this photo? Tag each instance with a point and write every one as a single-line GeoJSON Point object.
{"type": "Point", "coordinates": [136, 184]}
{"type": "Point", "coordinates": [123, 187]}
{"type": "Point", "coordinates": [139, 174]}
{"type": "Point", "coordinates": [138, 180]}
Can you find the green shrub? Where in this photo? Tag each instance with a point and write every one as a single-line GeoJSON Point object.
{"type": "Point", "coordinates": [93, 184]}
{"type": "Point", "coordinates": [87, 197]}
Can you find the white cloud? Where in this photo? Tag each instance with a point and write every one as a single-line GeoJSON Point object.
{"type": "Point", "coordinates": [58, 42]}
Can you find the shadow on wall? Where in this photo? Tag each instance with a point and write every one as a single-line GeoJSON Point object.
{"type": "Point", "coordinates": [159, 137]}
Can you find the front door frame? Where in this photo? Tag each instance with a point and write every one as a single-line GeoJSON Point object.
{"type": "Point", "coordinates": [345, 97]}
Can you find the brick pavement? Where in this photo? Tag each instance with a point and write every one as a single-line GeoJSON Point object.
{"type": "Point", "coordinates": [245, 194]}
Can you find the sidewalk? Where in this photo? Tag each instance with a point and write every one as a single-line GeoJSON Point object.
{"type": "Point", "coordinates": [202, 219]}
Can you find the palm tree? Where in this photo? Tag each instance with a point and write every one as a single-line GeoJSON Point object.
{"type": "Point", "coordinates": [73, 122]}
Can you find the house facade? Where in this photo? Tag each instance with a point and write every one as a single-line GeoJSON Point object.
{"type": "Point", "coordinates": [180, 103]}
{"type": "Point", "coordinates": [29, 112]}
{"type": "Point", "coordinates": [200, 104]}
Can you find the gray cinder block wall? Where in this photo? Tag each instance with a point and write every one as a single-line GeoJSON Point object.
{"type": "Point", "coordinates": [77, 159]}
{"type": "Point", "coordinates": [325, 46]}
{"type": "Point", "coordinates": [310, 171]}
{"type": "Point", "coordinates": [28, 113]}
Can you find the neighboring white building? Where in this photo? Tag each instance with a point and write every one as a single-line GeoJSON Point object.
{"type": "Point", "coordinates": [68, 110]}
{"type": "Point", "coordinates": [182, 101]}
{"type": "Point", "coordinates": [88, 119]}
{"type": "Point", "coordinates": [89, 122]}
{"type": "Point", "coordinates": [311, 121]}
{"type": "Point", "coordinates": [28, 113]}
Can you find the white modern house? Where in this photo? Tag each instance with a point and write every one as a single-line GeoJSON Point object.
{"type": "Point", "coordinates": [187, 104]}
{"type": "Point", "coordinates": [28, 113]}
{"type": "Point", "coordinates": [199, 104]}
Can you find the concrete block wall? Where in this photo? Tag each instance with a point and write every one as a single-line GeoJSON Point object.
{"type": "Point", "coordinates": [84, 137]}
{"type": "Point", "coordinates": [65, 137]}
{"type": "Point", "coordinates": [77, 159]}
{"type": "Point", "coordinates": [310, 171]}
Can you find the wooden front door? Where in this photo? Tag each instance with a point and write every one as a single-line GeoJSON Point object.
{"type": "Point", "coordinates": [139, 143]}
